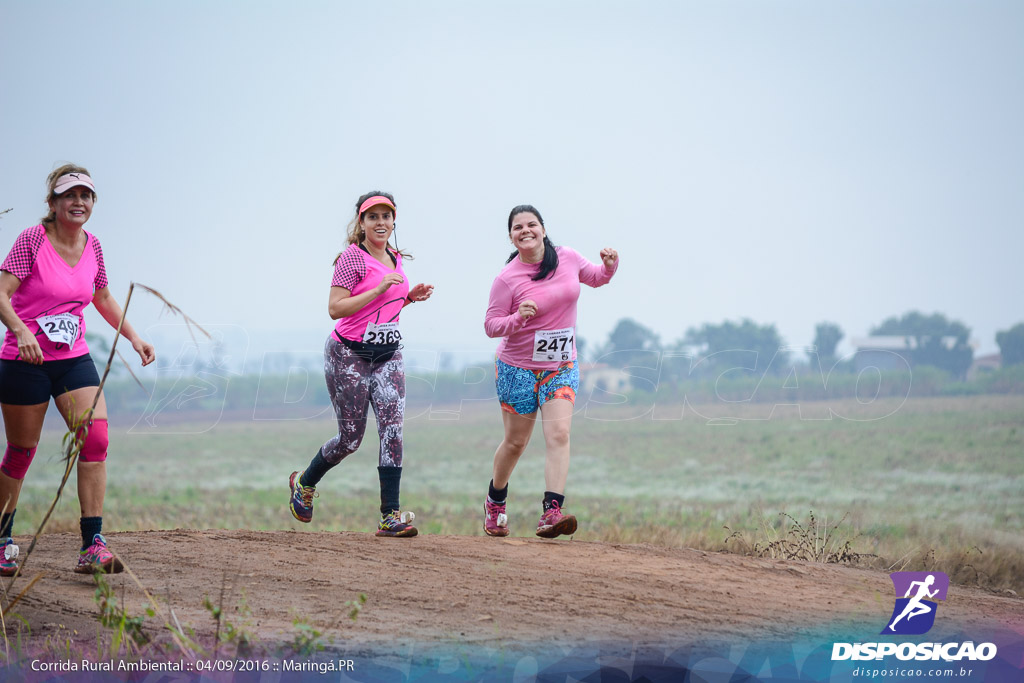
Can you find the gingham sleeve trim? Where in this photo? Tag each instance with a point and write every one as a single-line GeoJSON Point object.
{"type": "Point", "coordinates": [22, 256]}
{"type": "Point", "coordinates": [350, 269]}
{"type": "Point", "coordinates": [101, 269]}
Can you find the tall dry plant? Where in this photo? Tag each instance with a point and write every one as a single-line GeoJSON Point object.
{"type": "Point", "coordinates": [74, 439]}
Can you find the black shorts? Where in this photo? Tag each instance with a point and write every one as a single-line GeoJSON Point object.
{"type": "Point", "coordinates": [24, 384]}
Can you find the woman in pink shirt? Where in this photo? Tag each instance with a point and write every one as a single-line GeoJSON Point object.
{"type": "Point", "coordinates": [53, 271]}
{"type": "Point", "coordinates": [533, 309]}
{"type": "Point", "coordinates": [363, 360]}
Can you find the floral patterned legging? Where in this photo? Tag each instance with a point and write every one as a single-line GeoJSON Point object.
{"type": "Point", "coordinates": [356, 383]}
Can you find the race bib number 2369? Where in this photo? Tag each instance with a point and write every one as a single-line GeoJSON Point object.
{"type": "Point", "coordinates": [384, 333]}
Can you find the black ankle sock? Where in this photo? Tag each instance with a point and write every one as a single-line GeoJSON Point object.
{"type": "Point", "coordinates": [318, 467]}
{"type": "Point", "coordinates": [497, 495]}
{"type": "Point", "coordinates": [90, 527]}
{"type": "Point", "coordinates": [551, 496]}
{"type": "Point", "coordinates": [7, 524]}
{"type": "Point", "coordinates": [390, 486]}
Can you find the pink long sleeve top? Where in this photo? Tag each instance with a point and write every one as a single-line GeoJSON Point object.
{"type": "Point", "coordinates": [525, 343]}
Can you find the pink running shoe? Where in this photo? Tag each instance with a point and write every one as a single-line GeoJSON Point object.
{"type": "Point", "coordinates": [96, 558]}
{"type": "Point", "coordinates": [8, 558]}
{"type": "Point", "coordinates": [495, 519]}
{"type": "Point", "coordinates": [554, 523]}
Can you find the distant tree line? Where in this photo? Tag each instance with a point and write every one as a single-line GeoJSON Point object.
{"type": "Point", "coordinates": [746, 346]}
{"type": "Point", "coordinates": [1011, 345]}
{"type": "Point", "coordinates": [712, 362]}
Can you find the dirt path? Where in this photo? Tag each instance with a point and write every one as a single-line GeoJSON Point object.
{"type": "Point", "coordinates": [483, 596]}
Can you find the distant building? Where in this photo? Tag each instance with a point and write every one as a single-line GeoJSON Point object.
{"type": "Point", "coordinates": [884, 353]}
{"type": "Point", "coordinates": [983, 364]}
{"type": "Point", "coordinates": [892, 352]}
{"type": "Point", "coordinates": [604, 377]}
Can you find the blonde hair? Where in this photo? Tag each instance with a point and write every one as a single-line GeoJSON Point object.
{"type": "Point", "coordinates": [51, 182]}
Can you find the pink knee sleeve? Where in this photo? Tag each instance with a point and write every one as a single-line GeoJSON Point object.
{"type": "Point", "coordinates": [95, 447]}
{"type": "Point", "coordinates": [16, 461]}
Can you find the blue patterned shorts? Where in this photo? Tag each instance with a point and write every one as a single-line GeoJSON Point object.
{"type": "Point", "coordinates": [523, 391]}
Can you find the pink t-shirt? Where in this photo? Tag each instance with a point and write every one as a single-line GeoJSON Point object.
{"type": "Point", "coordinates": [52, 294]}
{"type": "Point", "coordinates": [530, 343]}
{"type": "Point", "coordinates": [359, 272]}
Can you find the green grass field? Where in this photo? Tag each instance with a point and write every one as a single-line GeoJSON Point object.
{"type": "Point", "coordinates": [937, 484]}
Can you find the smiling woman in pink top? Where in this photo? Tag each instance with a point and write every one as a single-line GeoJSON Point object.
{"type": "Point", "coordinates": [363, 360]}
{"type": "Point", "coordinates": [53, 271]}
{"type": "Point", "coordinates": [533, 309]}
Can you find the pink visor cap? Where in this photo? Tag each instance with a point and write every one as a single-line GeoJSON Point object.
{"type": "Point", "coordinates": [69, 180]}
{"type": "Point", "coordinates": [374, 201]}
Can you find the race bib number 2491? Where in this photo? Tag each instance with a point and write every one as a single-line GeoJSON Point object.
{"type": "Point", "coordinates": [61, 328]}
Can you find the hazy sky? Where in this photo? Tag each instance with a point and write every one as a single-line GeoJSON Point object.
{"type": "Point", "coordinates": [790, 162]}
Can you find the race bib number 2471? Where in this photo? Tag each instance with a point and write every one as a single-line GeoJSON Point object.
{"type": "Point", "coordinates": [552, 345]}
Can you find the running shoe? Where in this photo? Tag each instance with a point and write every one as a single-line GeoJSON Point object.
{"type": "Point", "coordinates": [555, 523]}
{"type": "Point", "coordinates": [495, 519]}
{"type": "Point", "coordinates": [8, 566]}
{"type": "Point", "coordinates": [301, 502]}
{"type": "Point", "coordinates": [97, 558]}
{"type": "Point", "coordinates": [397, 524]}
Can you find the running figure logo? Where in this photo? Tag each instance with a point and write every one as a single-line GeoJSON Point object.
{"type": "Point", "coordinates": [914, 613]}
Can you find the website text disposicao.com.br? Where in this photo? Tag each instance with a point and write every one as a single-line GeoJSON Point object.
{"type": "Point", "coordinates": [947, 658]}
{"type": "Point", "coordinates": [902, 673]}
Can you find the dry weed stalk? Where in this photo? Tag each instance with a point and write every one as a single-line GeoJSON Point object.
{"type": "Point", "coordinates": [73, 440]}
{"type": "Point", "coordinates": [132, 373]}
{"type": "Point", "coordinates": [815, 542]}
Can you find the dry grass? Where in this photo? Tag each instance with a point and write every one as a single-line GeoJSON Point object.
{"type": "Point", "coordinates": [813, 541]}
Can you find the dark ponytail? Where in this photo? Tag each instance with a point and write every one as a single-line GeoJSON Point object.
{"type": "Point", "coordinates": [550, 261]}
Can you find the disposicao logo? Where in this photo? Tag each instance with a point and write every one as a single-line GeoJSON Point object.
{"type": "Point", "coordinates": [914, 613]}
